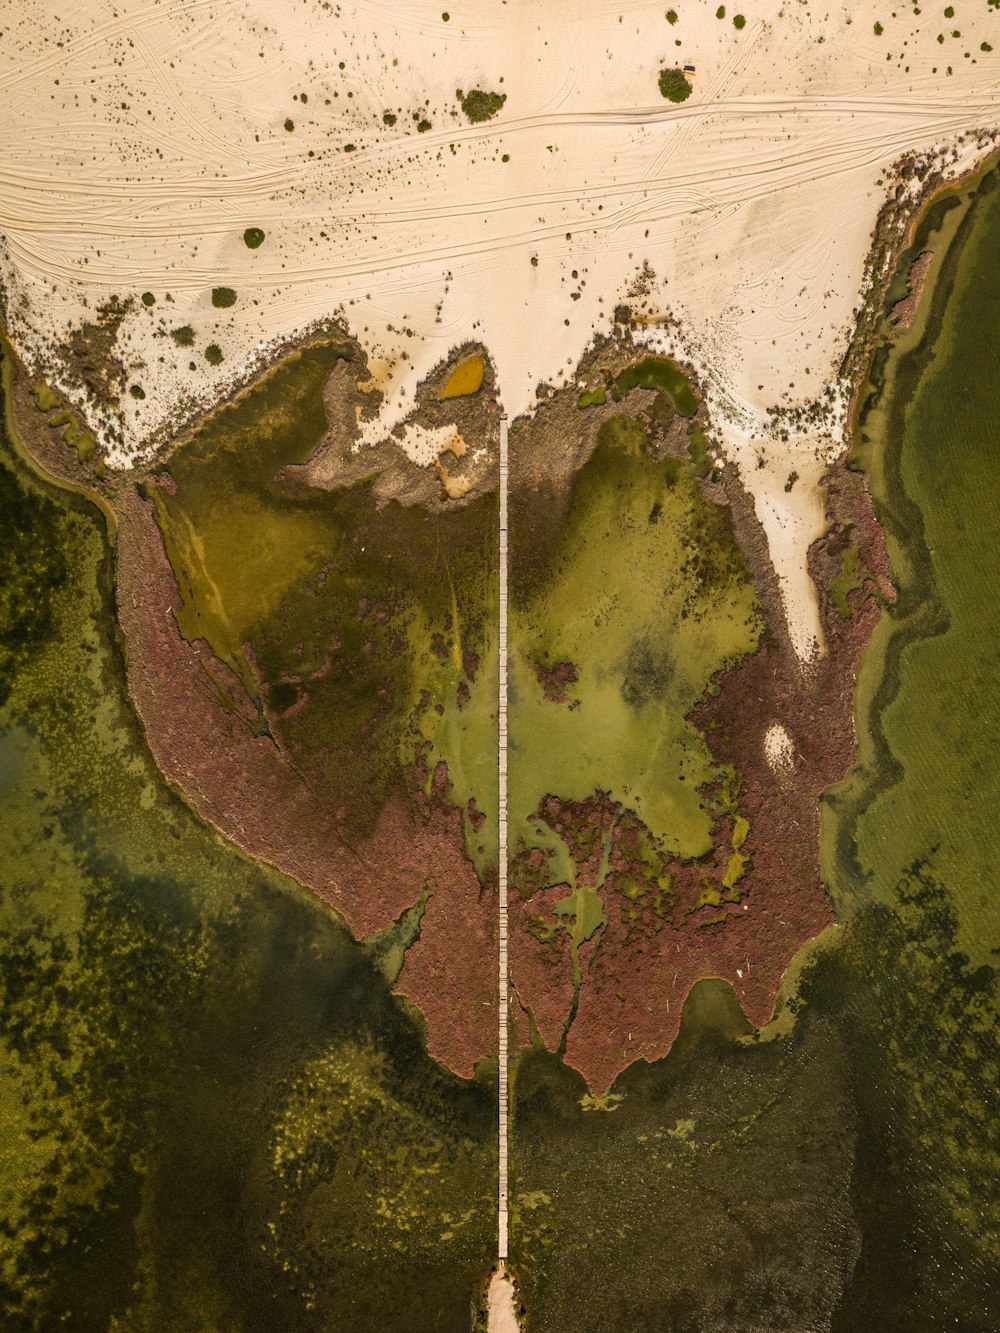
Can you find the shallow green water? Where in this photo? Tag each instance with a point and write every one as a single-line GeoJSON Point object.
{"type": "Point", "coordinates": [841, 1176]}
{"type": "Point", "coordinates": [215, 1116]}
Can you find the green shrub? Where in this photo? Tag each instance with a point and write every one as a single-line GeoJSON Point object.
{"type": "Point", "coordinates": [739, 22]}
{"type": "Point", "coordinates": [183, 337]}
{"type": "Point", "coordinates": [253, 238]}
{"type": "Point", "coordinates": [671, 16]}
{"type": "Point", "coordinates": [720, 13]}
{"type": "Point", "coordinates": [388, 118]}
{"type": "Point", "coordinates": [289, 125]}
{"type": "Point", "coordinates": [213, 354]}
{"type": "Point", "coordinates": [148, 299]}
{"type": "Point", "coordinates": [879, 30]}
{"type": "Point", "coordinates": [423, 126]}
{"type": "Point", "coordinates": [674, 86]}
{"type": "Point", "coordinates": [137, 391]}
{"type": "Point", "coordinates": [223, 297]}
{"type": "Point", "coordinates": [479, 105]}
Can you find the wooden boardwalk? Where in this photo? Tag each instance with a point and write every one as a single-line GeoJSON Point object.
{"type": "Point", "coordinates": [502, 866]}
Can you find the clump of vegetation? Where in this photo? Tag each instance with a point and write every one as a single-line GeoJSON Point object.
{"type": "Point", "coordinates": [223, 297]}
{"type": "Point", "coordinates": [720, 13]}
{"type": "Point", "coordinates": [671, 16]}
{"type": "Point", "coordinates": [148, 299]}
{"type": "Point", "coordinates": [289, 125]}
{"type": "Point", "coordinates": [879, 30]}
{"type": "Point", "coordinates": [593, 397]}
{"type": "Point", "coordinates": [253, 238]}
{"type": "Point", "coordinates": [479, 105]}
{"type": "Point", "coordinates": [184, 336]}
{"type": "Point", "coordinates": [352, 148]}
{"type": "Point", "coordinates": [423, 126]}
{"type": "Point", "coordinates": [213, 354]}
{"type": "Point", "coordinates": [388, 119]}
{"type": "Point", "coordinates": [739, 22]}
{"type": "Point", "coordinates": [674, 86]}
{"type": "Point", "coordinates": [137, 391]}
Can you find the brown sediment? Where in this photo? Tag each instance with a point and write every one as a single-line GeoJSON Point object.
{"type": "Point", "coordinates": [542, 971]}
{"type": "Point", "coordinates": [206, 736]}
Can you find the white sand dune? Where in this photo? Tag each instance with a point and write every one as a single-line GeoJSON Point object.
{"type": "Point", "coordinates": [148, 136]}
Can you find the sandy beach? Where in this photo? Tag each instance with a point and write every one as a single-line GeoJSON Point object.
{"type": "Point", "coordinates": [150, 136]}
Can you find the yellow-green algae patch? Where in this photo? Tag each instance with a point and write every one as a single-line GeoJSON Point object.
{"type": "Point", "coordinates": [645, 592]}
{"type": "Point", "coordinates": [465, 379]}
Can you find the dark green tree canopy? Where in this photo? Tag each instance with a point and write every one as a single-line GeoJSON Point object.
{"type": "Point", "coordinates": [674, 86]}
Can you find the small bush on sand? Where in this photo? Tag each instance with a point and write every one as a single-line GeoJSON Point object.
{"type": "Point", "coordinates": [479, 105]}
{"type": "Point", "coordinates": [739, 21]}
{"type": "Point", "coordinates": [183, 337]}
{"type": "Point", "coordinates": [253, 237]}
{"type": "Point", "coordinates": [223, 297]}
{"type": "Point", "coordinates": [213, 354]}
{"type": "Point", "coordinates": [674, 86]}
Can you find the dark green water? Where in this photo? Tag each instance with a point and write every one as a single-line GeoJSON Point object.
{"type": "Point", "coordinates": [214, 1115]}
{"type": "Point", "coordinates": [843, 1176]}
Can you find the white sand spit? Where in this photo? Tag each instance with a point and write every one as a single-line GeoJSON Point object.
{"type": "Point", "coordinates": [501, 1308]}
{"type": "Point", "coordinates": [150, 134]}
{"type": "Point", "coordinates": [779, 748]}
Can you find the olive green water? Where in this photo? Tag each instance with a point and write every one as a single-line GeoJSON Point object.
{"type": "Point", "coordinates": [216, 1118]}
{"type": "Point", "coordinates": [840, 1175]}
{"type": "Point", "coordinates": [214, 1115]}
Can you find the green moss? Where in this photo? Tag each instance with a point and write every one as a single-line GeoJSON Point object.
{"type": "Point", "coordinates": [593, 397]}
